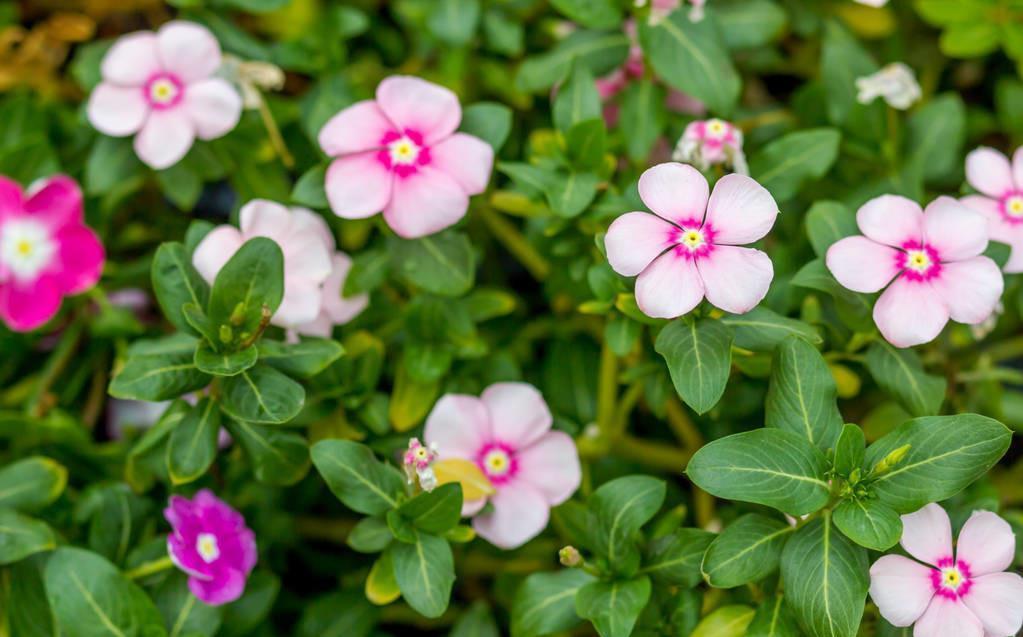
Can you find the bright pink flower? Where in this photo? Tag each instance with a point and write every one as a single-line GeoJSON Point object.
{"type": "Point", "coordinates": [709, 142]}
{"type": "Point", "coordinates": [933, 257]}
{"type": "Point", "coordinates": [46, 250]}
{"type": "Point", "coordinates": [689, 248]}
{"type": "Point", "coordinates": [400, 154]}
{"type": "Point", "coordinates": [507, 432]}
{"type": "Point", "coordinates": [965, 594]}
{"type": "Point", "coordinates": [160, 88]}
{"type": "Point", "coordinates": [210, 542]}
{"type": "Point", "coordinates": [1001, 201]}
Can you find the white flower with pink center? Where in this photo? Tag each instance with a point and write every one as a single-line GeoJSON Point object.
{"type": "Point", "coordinates": [706, 143]}
{"type": "Point", "coordinates": [964, 593]}
{"type": "Point", "coordinates": [418, 462]}
{"type": "Point", "coordinates": [1001, 200]}
{"type": "Point", "coordinates": [400, 154]}
{"type": "Point", "coordinates": [934, 259]}
{"type": "Point", "coordinates": [690, 248]}
{"type": "Point", "coordinates": [507, 433]}
{"type": "Point", "coordinates": [160, 88]}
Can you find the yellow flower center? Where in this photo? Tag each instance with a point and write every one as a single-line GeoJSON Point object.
{"type": "Point", "coordinates": [404, 151]}
{"type": "Point", "coordinates": [918, 260]}
{"type": "Point", "coordinates": [1014, 206]}
{"type": "Point", "coordinates": [497, 462]}
{"type": "Point", "coordinates": [206, 546]}
{"type": "Point", "coordinates": [692, 239]}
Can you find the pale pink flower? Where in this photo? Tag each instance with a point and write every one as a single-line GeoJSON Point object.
{"type": "Point", "coordinates": [400, 154]}
{"type": "Point", "coordinates": [690, 247]}
{"type": "Point", "coordinates": [418, 463]}
{"type": "Point", "coordinates": [507, 433]}
{"type": "Point", "coordinates": [160, 88]}
{"type": "Point", "coordinates": [965, 594]}
{"type": "Point", "coordinates": [710, 142]}
{"type": "Point", "coordinates": [1001, 198]}
{"type": "Point", "coordinates": [46, 250]}
{"type": "Point", "coordinates": [934, 259]}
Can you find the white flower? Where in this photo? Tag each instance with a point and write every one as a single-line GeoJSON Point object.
{"type": "Point", "coordinates": [252, 77]}
{"type": "Point", "coordinates": [896, 83]}
{"type": "Point", "coordinates": [872, 3]}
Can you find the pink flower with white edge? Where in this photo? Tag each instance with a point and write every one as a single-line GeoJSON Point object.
{"type": "Point", "coordinates": [46, 250]}
{"type": "Point", "coordinates": [307, 258]}
{"type": "Point", "coordinates": [690, 247]}
{"type": "Point", "coordinates": [960, 594]}
{"type": "Point", "coordinates": [400, 154]}
{"type": "Point", "coordinates": [706, 143]}
{"type": "Point", "coordinates": [1001, 200]}
{"type": "Point", "coordinates": [507, 433]}
{"type": "Point", "coordinates": [160, 88]}
{"type": "Point", "coordinates": [934, 259]}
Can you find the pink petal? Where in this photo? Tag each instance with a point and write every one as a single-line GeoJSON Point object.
{"type": "Point", "coordinates": [670, 286]}
{"type": "Point", "coordinates": [676, 192]}
{"type": "Point", "coordinates": [469, 160]}
{"type": "Point", "coordinates": [304, 220]}
{"type": "Point", "coordinates": [425, 202]}
{"type": "Point", "coordinates": [305, 257]}
{"type": "Point", "coordinates": [265, 218]}
{"type": "Point", "coordinates": [26, 306]}
{"type": "Point", "coordinates": [341, 309]}
{"type": "Point", "coordinates": [970, 289]}
{"type": "Point", "coordinates": [999, 229]}
{"type": "Point", "coordinates": [736, 279]}
{"type": "Point", "coordinates": [131, 60]}
{"type": "Point", "coordinates": [862, 265]}
{"type": "Point", "coordinates": [635, 239]}
{"type": "Point", "coordinates": [459, 425]}
{"type": "Point", "coordinates": [81, 259]}
{"type": "Point", "coordinates": [519, 415]}
{"type": "Point", "coordinates": [165, 138]}
{"type": "Point", "coordinates": [226, 586]}
{"type": "Point", "coordinates": [301, 302]}
{"type": "Point", "coordinates": [321, 326]}
{"type": "Point", "coordinates": [358, 186]}
{"type": "Point", "coordinates": [946, 617]}
{"type": "Point", "coordinates": [927, 534]}
{"type": "Point", "coordinates": [214, 106]}
{"type": "Point", "coordinates": [117, 110]}
{"type": "Point", "coordinates": [57, 201]}
{"type": "Point", "coordinates": [215, 249]}
{"type": "Point", "coordinates": [901, 588]}
{"type": "Point", "coordinates": [1017, 168]}
{"type": "Point", "coordinates": [188, 50]}
{"type": "Point", "coordinates": [989, 172]}
{"type": "Point", "coordinates": [472, 507]}
{"type": "Point", "coordinates": [954, 230]}
{"type": "Point", "coordinates": [551, 465]}
{"type": "Point", "coordinates": [520, 514]}
{"type": "Point", "coordinates": [997, 601]}
{"type": "Point", "coordinates": [424, 107]}
{"type": "Point", "coordinates": [11, 198]}
{"type": "Point", "coordinates": [986, 543]}
{"type": "Point", "coordinates": [910, 313]}
{"type": "Point", "coordinates": [891, 219]}
{"type": "Point", "coordinates": [360, 127]}
{"type": "Point", "coordinates": [740, 210]}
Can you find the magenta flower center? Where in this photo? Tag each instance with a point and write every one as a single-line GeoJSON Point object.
{"type": "Point", "coordinates": [403, 153]}
{"type": "Point", "coordinates": [692, 240]}
{"type": "Point", "coordinates": [497, 460]}
{"type": "Point", "coordinates": [164, 90]}
{"type": "Point", "coordinates": [207, 548]}
{"type": "Point", "coordinates": [26, 248]}
{"type": "Point", "coordinates": [918, 261]}
{"type": "Point", "coordinates": [1011, 206]}
{"type": "Point", "coordinates": [951, 579]}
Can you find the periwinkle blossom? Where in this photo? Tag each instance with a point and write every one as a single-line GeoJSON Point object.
{"type": "Point", "coordinates": [507, 433]}
{"type": "Point", "coordinates": [895, 83]}
{"type": "Point", "coordinates": [946, 593]}
{"type": "Point", "coordinates": [661, 9]}
{"type": "Point", "coordinates": [46, 250]}
{"type": "Point", "coordinates": [418, 462]}
{"type": "Point", "coordinates": [690, 248]}
{"type": "Point", "coordinates": [1001, 198]}
{"type": "Point", "coordinates": [711, 142]}
{"type": "Point", "coordinates": [210, 542]}
{"type": "Point", "coordinates": [400, 154]}
{"type": "Point", "coordinates": [161, 88]}
{"type": "Point", "coordinates": [934, 258]}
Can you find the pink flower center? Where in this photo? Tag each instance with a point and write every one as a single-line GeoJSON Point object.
{"type": "Point", "coordinates": [1011, 207]}
{"type": "Point", "coordinates": [951, 579]}
{"type": "Point", "coordinates": [26, 248]}
{"type": "Point", "coordinates": [164, 90]}
{"type": "Point", "coordinates": [692, 240]}
{"type": "Point", "coordinates": [403, 153]}
{"type": "Point", "coordinates": [918, 261]}
{"type": "Point", "coordinates": [497, 461]}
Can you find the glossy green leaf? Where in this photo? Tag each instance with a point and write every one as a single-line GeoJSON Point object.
{"type": "Point", "coordinates": [31, 484]}
{"type": "Point", "coordinates": [425, 572]}
{"type": "Point", "coordinates": [490, 121]}
{"type": "Point", "coordinates": [785, 164]}
{"type": "Point", "coordinates": [262, 395]}
{"type": "Point", "coordinates": [621, 507]}
{"type": "Point", "coordinates": [849, 450]}
{"type": "Point", "coordinates": [613, 607]}
{"type": "Point", "coordinates": [802, 397]}
{"type": "Point", "coordinates": [870, 523]}
{"type": "Point", "coordinates": [183, 614]}
{"type": "Point", "coordinates": [577, 99]}
{"type": "Point", "coordinates": [246, 292]}
{"type": "Point", "coordinates": [442, 263]}
{"type": "Point", "coordinates": [599, 51]}
{"type": "Point", "coordinates": [761, 329]}
{"type": "Point", "coordinates": [545, 602]}
{"type": "Point", "coordinates": [159, 369]}
{"type": "Point", "coordinates": [176, 282]}
{"type": "Point", "coordinates": [773, 619]}
{"type": "Point", "coordinates": [224, 363]}
{"type": "Point", "coordinates": [304, 359]}
{"type": "Point", "coordinates": [278, 456]}
{"type": "Point", "coordinates": [901, 374]}
{"type": "Point", "coordinates": [827, 222]}
{"type": "Point", "coordinates": [21, 536]}
{"type": "Point", "coordinates": [369, 535]}
{"type": "Point", "coordinates": [748, 550]}
{"type": "Point", "coordinates": [356, 477]}
{"type": "Point", "coordinates": [436, 511]}
{"type": "Point", "coordinates": [675, 558]}
{"type": "Point", "coordinates": [193, 443]}
{"type": "Point", "coordinates": [699, 358]}
{"type": "Point", "coordinates": [726, 621]}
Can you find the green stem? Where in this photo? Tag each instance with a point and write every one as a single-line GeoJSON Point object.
{"type": "Point", "coordinates": [276, 140]}
{"type": "Point", "coordinates": [516, 244]}
{"type": "Point", "coordinates": [149, 568]}
{"type": "Point", "coordinates": [55, 366]}
{"type": "Point", "coordinates": [607, 390]}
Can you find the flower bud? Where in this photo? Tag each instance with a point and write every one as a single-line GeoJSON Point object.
{"type": "Point", "coordinates": [570, 557]}
{"type": "Point", "coordinates": [891, 460]}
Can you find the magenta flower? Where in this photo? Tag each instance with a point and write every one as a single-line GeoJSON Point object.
{"type": "Point", "coordinates": [507, 433]}
{"type": "Point", "coordinates": [934, 257]}
{"type": "Point", "coordinates": [160, 88]}
{"type": "Point", "coordinates": [210, 542]}
{"type": "Point", "coordinates": [706, 143]}
{"type": "Point", "coordinates": [690, 247]}
{"type": "Point", "coordinates": [965, 594]}
{"type": "Point", "coordinates": [46, 250]}
{"type": "Point", "coordinates": [400, 154]}
{"type": "Point", "coordinates": [1001, 201]}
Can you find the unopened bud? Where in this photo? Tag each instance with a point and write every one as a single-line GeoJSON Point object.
{"type": "Point", "coordinates": [226, 334]}
{"type": "Point", "coordinates": [570, 557]}
{"type": "Point", "coordinates": [891, 460]}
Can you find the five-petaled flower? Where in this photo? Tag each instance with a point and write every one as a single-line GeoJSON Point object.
{"type": "Point", "coordinates": [46, 250]}
{"type": "Point", "coordinates": [1001, 200]}
{"type": "Point", "coordinates": [934, 259]}
{"type": "Point", "coordinates": [507, 433]}
{"type": "Point", "coordinates": [210, 542]}
{"type": "Point", "coordinates": [160, 88]}
{"type": "Point", "coordinates": [418, 463]}
{"type": "Point", "coordinates": [400, 154]}
{"type": "Point", "coordinates": [706, 143]}
{"type": "Point", "coordinates": [960, 594]}
{"type": "Point", "coordinates": [690, 248]}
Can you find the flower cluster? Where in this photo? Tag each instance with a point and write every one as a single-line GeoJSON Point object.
{"type": "Point", "coordinates": [418, 462]}
{"type": "Point", "coordinates": [711, 142]}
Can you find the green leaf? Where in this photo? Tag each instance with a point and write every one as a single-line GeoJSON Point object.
{"type": "Point", "coordinates": [369, 535]}
{"type": "Point", "coordinates": [442, 263]}
{"type": "Point", "coordinates": [304, 359]}
{"type": "Point", "coordinates": [726, 621]}
{"type": "Point", "coordinates": [477, 621]}
{"type": "Point", "coordinates": [309, 189]}
{"type": "Point", "coordinates": [247, 291]}
{"type": "Point", "coordinates": [224, 363]}
{"type": "Point", "coordinates": [595, 14]}
{"type": "Point", "coordinates": [568, 194]}
{"type": "Point", "coordinates": [599, 51]}
{"type": "Point", "coordinates": [773, 467]}
{"type": "Point", "coordinates": [827, 222]}
{"type": "Point", "coordinates": [31, 484]}
{"type": "Point", "coordinates": [826, 579]}
{"type": "Point", "coordinates": [674, 559]}
{"type": "Point", "coordinates": [176, 282]}
{"type": "Point", "coordinates": [785, 164]}
{"type": "Point", "coordinates": [613, 607]}
{"type": "Point", "coordinates": [490, 121]}
{"type": "Point", "coordinates": [278, 456]}
{"type": "Point", "coordinates": [181, 185]}
{"type": "Point", "coordinates": [761, 329]}
{"type": "Point", "coordinates": [854, 309]}
{"type": "Point", "coordinates": [111, 164]}
{"type": "Point", "coordinates": [699, 358]}
{"type": "Point", "coordinates": [577, 99]}
{"type": "Point", "coordinates": [974, 39]}
{"type": "Point", "coordinates": [116, 517]}
{"type": "Point", "coordinates": [870, 523]}
{"type": "Point", "coordinates": [425, 572]}
{"type": "Point", "coordinates": [243, 616]}
{"type": "Point", "coordinates": [585, 143]}
{"type": "Point", "coordinates": [183, 613]}
{"type": "Point", "coordinates": [262, 395]}
{"type": "Point", "coordinates": [193, 443]}
{"type": "Point", "coordinates": [643, 117]}
{"type": "Point", "coordinates": [621, 507]}
{"type": "Point", "coordinates": [26, 609]}
{"type": "Point", "coordinates": [901, 375]}
{"type": "Point", "coordinates": [773, 619]}
{"type": "Point", "coordinates": [545, 603]}
{"type": "Point", "coordinates": [21, 536]}
{"type": "Point", "coordinates": [159, 369]}
{"type": "Point", "coordinates": [344, 613]}
{"type": "Point", "coordinates": [746, 24]}
{"type": "Point", "coordinates": [846, 60]}
{"type": "Point", "coordinates": [356, 477]}
{"type": "Point", "coordinates": [436, 511]}
{"type": "Point", "coordinates": [748, 550]}
{"type": "Point", "coordinates": [849, 450]}
{"type": "Point", "coordinates": [454, 21]}
{"type": "Point", "coordinates": [937, 132]}
{"type": "Point", "coordinates": [802, 397]}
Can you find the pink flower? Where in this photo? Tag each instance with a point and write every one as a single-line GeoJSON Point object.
{"type": "Point", "coordinates": [507, 433]}
{"type": "Point", "coordinates": [962, 595]}
{"type": "Point", "coordinates": [210, 542]}
{"type": "Point", "coordinates": [400, 154]}
{"type": "Point", "coordinates": [303, 238]}
{"type": "Point", "coordinates": [46, 250]}
{"type": "Point", "coordinates": [335, 308]}
{"type": "Point", "coordinates": [706, 143]}
{"type": "Point", "coordinates": [418, 462]}
{"type": "Point", "coordinates": [690, 248]}
{"type": "Point", "coordinates": [933, 257]}
{"type": "Point", "coordinates": [1001, 201]}
{"type": "Point", "coordinates": [159, 87]}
